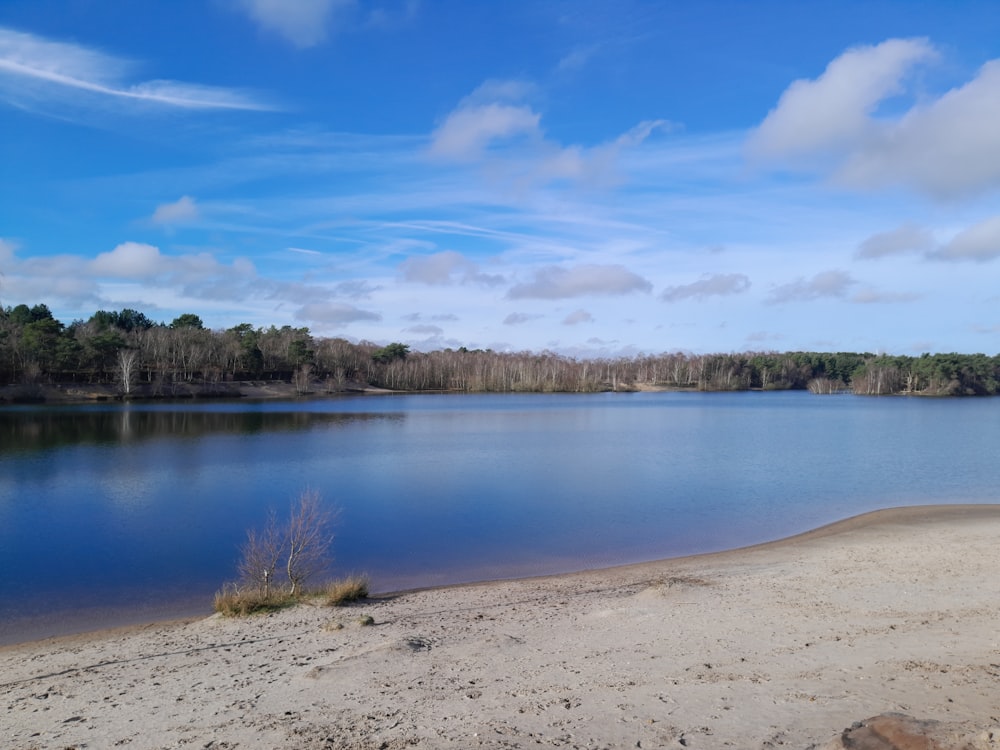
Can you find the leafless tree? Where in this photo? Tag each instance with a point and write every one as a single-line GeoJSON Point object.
{"type": "Point", "coordinates": [308, 540]}
{"type": "Point", "coordinates": [260, 553]}
{"type": "Point", "coordinates": [128, 365]}
{"type": "Point", "coordinates": [302, 378]}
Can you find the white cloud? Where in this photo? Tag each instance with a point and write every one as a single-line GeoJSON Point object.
{"type": "Point", "coordinates": [908, 238]}
{"type": "Point", "coordinates": [138, 275]}
{"type": "Point", "coordinates": [823, 284]}
{"type": "Point", "coordinates": [7, 249]}
{"type": "Point", "coordinates": [980, 242]}
{"type": "Point", "coordinates": [709, 285]}
{"type": "Point", "coordinates": [31, 66]}
{"type": "Point", "coordinates": [945, 147]}
{"type": "Point", "coordinates": [834, 110]}
{"type": "Point", "coordinates": [335, 314]}
{"type": "Point", "coordinates": [578, 316]}
{"type": "Point", "coordinates": [467, 131]}
{"type": "Point", "coordinates": [493, 124]}
{"type": "Point", "coordinates": [446, 267]}
{"type": "Point", "coordinates": [130, 260]}
{"type": "Point", "coordinates": [304, 23]}
{"type": "Point", "coordinates": [554, 282]}
{"type": "Point", "coordinates": [181, 211]}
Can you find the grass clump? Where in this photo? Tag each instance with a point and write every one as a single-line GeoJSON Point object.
{"type": "Point", "coordinates": [349, 589]}
{"type": "Point", "coordinates": [232, 601]}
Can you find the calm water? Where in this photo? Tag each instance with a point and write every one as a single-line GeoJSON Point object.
{"type": "Point", "coordinates": [111, 513]}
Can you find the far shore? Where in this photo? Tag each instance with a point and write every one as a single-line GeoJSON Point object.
{"type": "Point", "coordinates": [82, 393]}
{"type": "Point", "coordinates": [782, 644]}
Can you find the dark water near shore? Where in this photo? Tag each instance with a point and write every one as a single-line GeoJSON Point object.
{"type": "Point", "coordinates": [110, 513]}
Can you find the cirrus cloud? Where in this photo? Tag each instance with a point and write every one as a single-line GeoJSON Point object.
{"type": "Point", "coordinates": [32, 67]}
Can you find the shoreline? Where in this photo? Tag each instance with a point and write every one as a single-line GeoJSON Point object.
{"type": "Point", "coordinates": [787, 643]}
{"type": "Point", "coordinates": [128, 619]}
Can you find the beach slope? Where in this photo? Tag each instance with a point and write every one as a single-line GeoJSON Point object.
{"type": "Point", "coordinates": [781, 645]}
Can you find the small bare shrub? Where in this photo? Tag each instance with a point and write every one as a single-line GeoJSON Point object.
{"type": "Point", "coordinates": [301, 546]}
{"type": "Point", "coordinates": [308, 540]}
{"type": "Point", "coordinates": [260, 554]}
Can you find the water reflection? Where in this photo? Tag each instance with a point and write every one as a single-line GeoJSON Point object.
{"type": "Point", "coordinates": [29, 430]}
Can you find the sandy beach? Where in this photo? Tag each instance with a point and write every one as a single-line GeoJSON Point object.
{"type": "Point", "coordinates": [782, 645]}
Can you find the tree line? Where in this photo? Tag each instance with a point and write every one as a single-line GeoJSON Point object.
{"type": "Point", "coordinates": [134, 354]}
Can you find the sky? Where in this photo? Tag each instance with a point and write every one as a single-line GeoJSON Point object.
{"type": "Point", "coordinates": [590, 177]}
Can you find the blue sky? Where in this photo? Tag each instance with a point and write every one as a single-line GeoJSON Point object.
{"type": "Point", "coordinates": [593, 178]}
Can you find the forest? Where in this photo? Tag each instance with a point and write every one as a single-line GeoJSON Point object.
{"type": "Point", "coordinates": [134, 356]}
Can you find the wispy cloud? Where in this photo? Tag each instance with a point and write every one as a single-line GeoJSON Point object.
{"type": "Point", "coordinates": [181, 211]}
{"type": "Point", "coordinates": [516, 319]}
{"type": "Point", "coordinates": [577, 317]}
{"type": "Point", "coordinates": [710, 285]}
{"type": "Point", "coordinates": [823, 285]}
{"type": "Point", "coordinates": [304, 23]}
{"type": "Point", "coordinates": [980, 243]}
{"type": "Point", "coordinates": [908, 238]}
{"type": "Point", "coordinates": [554, 282]}
{"type": "Point", "coordinates": [32, 67]}
{"type": "Point", "coordinates": [334, 314]}
{"type": "Point", "coordinates": [425, 329]}
{"type": "Point", "coordinates": [496, 126]}
{"type": "Point", "coordinates": [446, 267]}
{"type": "Point", "coordinates": [493, 112]}
{"type": "Point", "coordinates": [877, 297]}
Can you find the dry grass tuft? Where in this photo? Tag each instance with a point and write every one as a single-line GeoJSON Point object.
{"type": "Point", "coordinates": [234, 602]}
{"type": "Point", "coordinates": [346, 590]}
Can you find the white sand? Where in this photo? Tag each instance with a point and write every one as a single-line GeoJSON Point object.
{"type": "Point", "coordinates": [782, 645]}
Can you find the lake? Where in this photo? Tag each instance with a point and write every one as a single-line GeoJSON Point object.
{"type": "Point", "coordinates": [113, 513]}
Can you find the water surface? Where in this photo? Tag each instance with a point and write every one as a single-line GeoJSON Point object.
{"type": "Point", "coordinates": [114, 512]}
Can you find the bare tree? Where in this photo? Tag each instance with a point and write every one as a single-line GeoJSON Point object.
{"type": "Point", "coordinates": [302, 378]}
{"type": "Point", "coordinates": [308, 539]}
{"type": "Point", "coordinates": [260, 553]}
{"type": "Point", "coordinates": [128, 364]}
